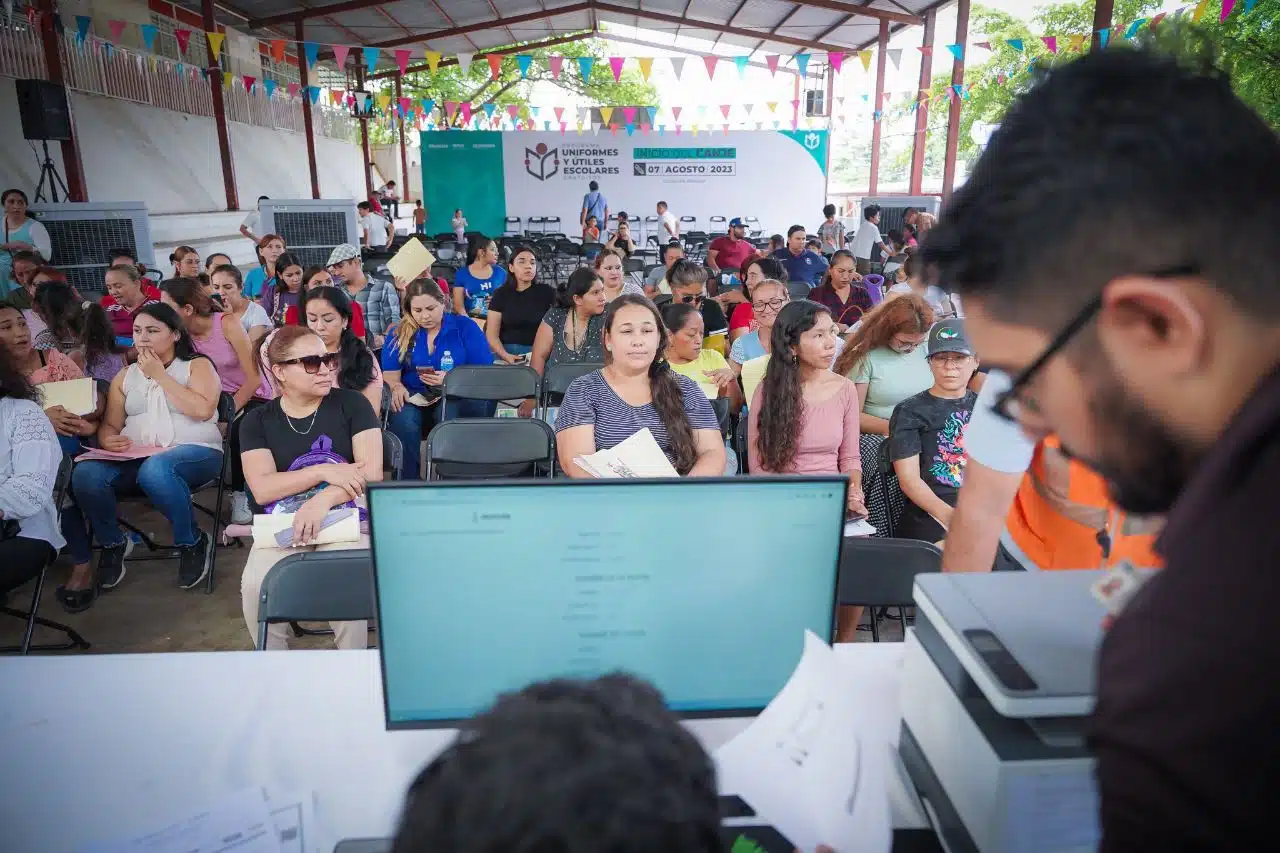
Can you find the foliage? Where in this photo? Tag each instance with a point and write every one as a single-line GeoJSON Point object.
{"type": "Point", "coordinates": [477, 85]}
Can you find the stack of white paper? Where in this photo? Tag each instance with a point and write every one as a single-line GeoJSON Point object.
{"type": "Point", "coordinates": [77, 396]}
{"type": "Point", "coordinates": [638, 456]}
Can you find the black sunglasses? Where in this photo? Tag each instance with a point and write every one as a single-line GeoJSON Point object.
{"type": "Point", "coordinates": [695, 300]}
{"type": "Point", "coordinates": [311, 363]}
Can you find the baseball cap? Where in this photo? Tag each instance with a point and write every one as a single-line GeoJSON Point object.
{"type": "Point", "coordinates": [736, 222]}
{"type": "Point", "coordinates": [948, 336]}
{"type": "Point", "coordinates": [343, 252]}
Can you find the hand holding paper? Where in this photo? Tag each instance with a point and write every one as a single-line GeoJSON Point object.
{"type": "Point", "coordinates": [637, 456]}
{"type": "Point", "coordinates": [411, 261]}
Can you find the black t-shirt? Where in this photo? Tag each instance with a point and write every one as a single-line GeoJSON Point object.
{"type": "Point", "coordinates": [522, 311]}
{"type": "Point", "coordinates": [932, 428]}
{"type": "Point", "coordinates": [342, 414]}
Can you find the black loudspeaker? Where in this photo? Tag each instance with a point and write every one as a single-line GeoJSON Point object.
{"type": "Point", "coordinates": [43, 108]}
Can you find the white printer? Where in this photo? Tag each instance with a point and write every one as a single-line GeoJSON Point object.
{"type": "Point", "coordinates": [998, 681]}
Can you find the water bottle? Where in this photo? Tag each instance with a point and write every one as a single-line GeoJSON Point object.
{"type": "Point", "coordinates": [446, 362]}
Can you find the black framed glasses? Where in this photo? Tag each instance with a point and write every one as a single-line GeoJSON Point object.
{"type": "Point", "coordinates": [768, 305]}
{"type": "Point", "coordinates": [311, 363]}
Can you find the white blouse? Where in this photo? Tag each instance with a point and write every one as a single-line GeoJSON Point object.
{"type": "Point", "coordinates": [29, 459]}
{"type": "Point", "coordinates": [151, 418]}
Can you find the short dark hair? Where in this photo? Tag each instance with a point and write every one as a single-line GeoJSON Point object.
{"type": "Point", "coordinates": [1122, 162]}
{"type": "Point", "coordinates": [794, 229]}
{"type": "Point", "coordinates": [364, 205]}
{"type": "Point", "coordinates": [870, 211]}
{"type": "Point", "coordinates": [115, 254]}
{"type": "Point", "coordinates": [567, 765]}
{"type": "Point", "coordinates": [829, 210]}
{"type": "Point", "coordinates": [264, 198]}
{"type": "Point", "coordinates": [28, 256]}
{"type": "Point", "coordinates": [391, 183]}
{"type": "Point", "coordinates": [662, 204]}
{"type": "Point", "coordinates": [674, 244]}
{"type": "Point", "coordinates": [593, 186]}
{"type": "Point", "coordinates": [622, 216]}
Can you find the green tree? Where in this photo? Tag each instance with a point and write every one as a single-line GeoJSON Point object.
{"type": "Point", "coordinates": [478, 86]}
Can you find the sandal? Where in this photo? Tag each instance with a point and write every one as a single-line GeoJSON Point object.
{"type": "Point", "coordinates": [76, 600]}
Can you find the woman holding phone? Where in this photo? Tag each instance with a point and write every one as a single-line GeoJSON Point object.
{"type": "Point", "coordinates": [517, 308]}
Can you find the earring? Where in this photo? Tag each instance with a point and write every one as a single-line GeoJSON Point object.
{"type": "Point", "coordinates": [609, 348]}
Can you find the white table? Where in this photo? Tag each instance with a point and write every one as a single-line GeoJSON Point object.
{"type": "Point", "coordinates": [96, 747]}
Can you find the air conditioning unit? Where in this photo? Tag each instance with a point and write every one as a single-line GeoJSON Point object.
{"type": "Point", "coordinates": [83, 234]}
{"type": "Point", "coordinates": [815, 102]}
{"type": "Point", "coordinates": [893, 207]}
{"type": "Point", "coordinates": [311, 228]}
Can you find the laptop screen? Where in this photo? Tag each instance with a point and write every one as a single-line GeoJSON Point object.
{"type": "Point", "coordinates": [704, 587]}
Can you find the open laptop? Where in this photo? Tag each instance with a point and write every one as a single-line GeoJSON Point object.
{"type": "Point", "coordinates": [705, 587]}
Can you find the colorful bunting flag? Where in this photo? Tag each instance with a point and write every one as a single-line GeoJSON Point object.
{"type": "Point", "coordinates": [215, 44]}
{"type": "Point", "coordinates": [116, 28]}
{"type": "Point", "coordinates": [1104, 36]}
{"type": "Point", "coordinates": [1051, 42]}
{"type": "Point", "coordinates": [370, 56]}
{"type": "Point", "coordinates": [629, 113]}
{"type": "Point", "coordinates": [293, 89]}
{"type": "Point", "coordinates": [495, 65]}
{"type": "Point", "coordinates": [362, 99]}
{"type": "Point", "coordinates": [835, 58]}
{"type": "Point", "coordinates": [451, 109]}
{"type": "Point", "coordinates": [957, 50]}
{"type": "Point", "coordinates": [1133, 28]}
{"type": "Point", "coordinates": [405, 105]}
{"type": "Point", "coordinates": [927, 50]}
{"type": "Point", "coordinates": [675, 113]}
{"type": "Point", "coordinates": [1016, 44]}
{"type": "Point", "coordinates": [1227, 7]}
{"type": "Point", "coordinates": [724, 109]}
{"type": "Point", "coordinates": [1077, 41]}
{"type": "Point", "coordinates": [402, 61]}
{"type": "Point", "coordinates": [585, 64]}
{"type": "Point", "coordinates": [490, 109]}
{"type": "Point", "coordinates": [269, 86]}
{"type": "Point", "coordinates": [677, 65]}
{"type": "Point", "coordinates": [433, 60]}
{"type": "Point", "coordinates": [82, 28]}
{"type": "Point", "coordinates": [865, 56]}
{"type": "Point", "coordinates": [464, 62]}
{"type": "Point", "coordinates": [615, 65]}
{"type": "Point", "coordinates": [772, 61]}
{"type": "Point", "coordinates": [646, 66]}
{"type": "Point", "coordinates": [555, 64]}
{"type": "Point", "coordinates": [336, 95]}
{"type": "Point", "coordinates": [653, 114]}
{"type": "Point", "coordinates": [741, 62]}
{"type": "Point", "coordinates": [465, 106]}
{"type": "Point", "coordinates": [1160, 17]}
{"type": "Point", "coordinates": [559, 111]}
{"type": "Point", "coordinates": [277, 50]}
{"type": "Point", "coordinates": [314, 92]}
{"type": "Point", "coordinates": [525, 61]}
{"type": "Point", "coordinates": [985, 45]}
{"type": "Point", "coordinates": [340, 52]}
{"type": "Point", "coordinates": [895, 56]}
{"type": "Point", "coordinates": [311, 50]}
{"type": "Point", "coordinates": [710, 63]}
{"type": "Point", "coordinates": [802, 63]}
{"type": "Point", "coordinates": [1199, 11]}
{"type": "Point", "coordinates": [772, 105]}
{"type": "Point", "coordinates": [606, 113]}
{"type": "Point", "coordinates": [384, 100]}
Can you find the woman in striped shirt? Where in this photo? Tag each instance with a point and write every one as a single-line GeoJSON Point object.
{"type": "Point", "coordinates": [637, 389]}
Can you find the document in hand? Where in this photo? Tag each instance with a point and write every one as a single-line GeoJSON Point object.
{"type": "Point", "coordinates": [812, 764]}
{"type": "Point", "coordinates": [77, 396]}
{"type": "Point", "coordinates": [637, 456]}
{"type": "Point", "coordinates": [411, 261]}
{"type": "Point", "coordinates": [344, 527]}
{"type": "Point", "coordinates": [135, 451]}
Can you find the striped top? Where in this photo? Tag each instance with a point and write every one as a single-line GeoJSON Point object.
{"type": "Point", "coordinates": [591, 401]}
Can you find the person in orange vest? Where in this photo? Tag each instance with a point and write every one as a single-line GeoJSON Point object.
{"type": "Point", "coordinates": [1028, 505]}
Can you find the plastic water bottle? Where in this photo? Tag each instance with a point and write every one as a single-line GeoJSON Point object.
{"type": "Point", "coordinates": [446, 362]}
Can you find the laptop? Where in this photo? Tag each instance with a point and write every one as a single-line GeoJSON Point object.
{"type": "Point", "coordinates": [704, 587]}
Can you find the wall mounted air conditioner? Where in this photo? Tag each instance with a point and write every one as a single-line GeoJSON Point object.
{"type": "Point", "coordinates": [83, 234]}
{"type": "Point", "coordinates": [892, 208]}
{"type": "Point", "coordinates": [311, 228]}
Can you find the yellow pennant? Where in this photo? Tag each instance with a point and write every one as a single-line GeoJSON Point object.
{"type": "Point", "coordinates": [606, 113]}
{"type": "Point", "coordinates": [215, 44]}
{"type": "Point", "coordinates": [433, 60]}
{"type": "Point", "coordinates": [227, 77]}
{"type": "Point", "coordinates": [579, 128]}
{"type": "Point", "coordinates": [1077, 41]}
{"type": "Point", "coordinates": [1199, 12]}
{"type": "Point", "coordinates": [772, 105]}
{"type": "Point", "coordinates": [646, 65]}
{"type": "Point", "coordinates": [383, 101]}
{"type": "Point", "coordinates": [865, 56]}
{"type": "Point", "coordinates": [695, 130]}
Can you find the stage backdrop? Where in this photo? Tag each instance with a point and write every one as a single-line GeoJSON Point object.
{"type": "Point", "coordinates": [777, 176]}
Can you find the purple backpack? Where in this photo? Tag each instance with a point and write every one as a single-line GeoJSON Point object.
{"type": "Point", "coordinates": [321, 453]}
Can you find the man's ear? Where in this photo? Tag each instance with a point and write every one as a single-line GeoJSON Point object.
{"type": "Point", "coordinates": [1154, 320]}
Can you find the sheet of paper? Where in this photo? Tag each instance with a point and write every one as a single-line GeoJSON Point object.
{"type": "Point", "coordinates": [265, 528]}
{"type": "Point", "coordinates": [858, 527]}
{"type": "Point", "coordinates": [295, 824]}
{"type": "Point", "coordinates": [411, 261]}
{"type": "Point", "coordinates": [637, 456]}
{"type": "Point", "coordinates": [77, 396]}
{"type": "Point", "coordinates": [806, 768]}
{"type": "Point", "coordinates": [241, 823]}
{"type": "Point", "coordinates": [422, 400]}
{"type": "Point", "coordinates": [137, 451]}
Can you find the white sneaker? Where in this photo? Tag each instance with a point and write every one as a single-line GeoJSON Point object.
{"type": "Point", "coordinates": [240, 513]}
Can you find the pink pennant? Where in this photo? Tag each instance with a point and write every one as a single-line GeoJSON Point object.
{"type": "Point", "coordinates": [675, 113]}
{"type": "Point", "coordinates": [183, 37]}
{"type": "Point", "coordinates": [726, 128]}
{"type": "Point", "coordinates": [644, 128]}
{"type": "Point", "coordinates": [513, 110]}
{"type": "Point", "coordinates": [724, 110]}
{"type": "Point", "coordinates": [451, 109]}
{"type": "Point", "coordinates": [466, 112]}
{"type": "Point", "coordinates": [117, 29]}
{"type": "Point", "coordinates": [559, 111]}
{"type": "Point", "coordinates": [555, 64]}
{"type": "Point", "coordinates": [615, 65]}
{"type": "Point", "coordinates": [1228, 6]}
{"type": "Point", "coordinates": [340, 52]}
{"type": "Point", "coordinates": [772, 62]}
{"type": "Point", "coordinates": [926, 50]}
{"type": "Point", "coordinates": [402, 60]}
{"type": "Point", "coordinates": [630, 113]}
{"type": "Point", "coordinates": [835, 59]}
{"type": "Point", "coordinates": [677, 130]}
{"type": "Point", "coordinates": [710, 62]}
{"type": "Point", "coordinates": [404, 105]}
{"type": "Point", "coordinates": [293, 88]}
{"type": "Point", "coordinates": [985, 45]}
{"type": "Point", "coordinates": [1050, 42]}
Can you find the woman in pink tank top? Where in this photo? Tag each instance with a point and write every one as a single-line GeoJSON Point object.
{"type": "Point", "coordinates": [218, 336]}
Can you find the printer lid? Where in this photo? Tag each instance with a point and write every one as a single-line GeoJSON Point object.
{"type": "Point", "coordinates": [1029, 640]}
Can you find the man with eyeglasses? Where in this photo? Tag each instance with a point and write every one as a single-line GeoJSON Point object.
{"type": "Point", "coordinates": [1153, 358]}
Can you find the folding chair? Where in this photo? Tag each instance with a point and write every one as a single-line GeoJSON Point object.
{"type": "Point", "coordinates": [798, 290]}
{"type": "Point", "coordinates": [317, 586]}
{"type": "Point", "coordinates": [633, 265]}
{"type": "Point", "coordinates": [688, 223]}
{"type": "Point", "coordinates": [511, 226]}
{"type": "Point", "coordinates": [491, 382]}
{"type": "Point", "coordinates": [551, 224]}
{"type": "Point", "coordinates": [718, 225]}
{"type": "Point", "coordinates": [74, 640]}
{"type": "Point", "coordinates": [880, 573]}
{"type": "Point", "coordinates": [556, 380]}
{"type": "Point", "coordinates": [490, 449]}
{"type": "Point", "coordinates": [740, 446]}
{"type": "Point", "coordinates": [392, 454]}
{"type": "Point", "coordinates": [753, 226]}
{"type": "Point", "coordinates": [590, 250]}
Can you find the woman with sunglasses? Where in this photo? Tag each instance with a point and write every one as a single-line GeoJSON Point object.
{"type": "Point", "coordinates": [167, 400]}
{"type": "Point", "coordinates": [312, 449]}
{"type": "Point", "coordinates": [688, 282]}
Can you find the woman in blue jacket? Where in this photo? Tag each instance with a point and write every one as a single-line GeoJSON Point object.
{"type": "Point", "coordinates": [428, 343]}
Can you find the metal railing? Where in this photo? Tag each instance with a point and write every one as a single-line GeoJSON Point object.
{"type": "Point", "coordinates": [97, 68]}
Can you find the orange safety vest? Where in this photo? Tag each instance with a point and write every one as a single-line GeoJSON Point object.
{"type": "Point", "coordinates": [1061, 508]}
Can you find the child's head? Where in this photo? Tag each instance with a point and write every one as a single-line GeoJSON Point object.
{"type": "Point", "coordinates": [829, 211]}
{"type": "Point", "coordinates": [896, 241]}
{"type": "Point", "coordinates": [418, 202]}
{"type": "Point", "coordinates": [951, 356]}
{"type": "Point", "coordinates": [592, 222]}
{"type": "Point", "coordinates": [458, 213]}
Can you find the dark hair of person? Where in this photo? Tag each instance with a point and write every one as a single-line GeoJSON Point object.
{"type": "Point", "coordinates": [14, 384]}
{"type": "Point", "coordinates": [664, 388]}
{"type": "Point", "coordinates": [116, 254]}
{"type": "Point", "coordinates": [476, 243]}
{"type": "Point", "coordinates": [71, 318]}
{"type": "Point", "coordinates": [896, 237]}
{"type": "Point", "coordinates": [829, 211]}
{"type": "Point", "coordinates": [1096, 147]}
{"type": "Point", "coordinates": [267, 240]}
{"type": "Point", "coordinates": [676, 314]}
{"type": "Point", "coordinates": [5, 196]}
{"type": "Point", "coordinates": [523, 248]}
{"type": "Point", "coordinates": [770, 268]}
{"type": "Point", "coordinates": [781, 391]}
{"type": "Point", "coordinates": [283, 263]}
{"type": "Point", "coordinates": [233, 271]}
{"type": "Point", "coordinates": [593, 186]}
{"type": "Point", "coordinates": [777, 238]}
{"type": "Point", "coordinates": [663, 203]}
{"type": "Point", "coordinates": [183, 348]}
{"type": "Point", "coordinates": [907, 211]}
{"type": "Point", "coordinates": [870, 211]}
{"type": "Point", "coordinates": [674, 244]}
{"type": "Point", "coordinates": [50, 273]}
{"type": "Point", "coordinates": [794, 229]}
{"type": "Point", "coordinates": [685, 272]}
{"type": "Point", "coordinates": [622, 216]}
{"type": "Point", "coordinates": [579, 282]}
{"type": "Point", "coordinates": [189, 292]}
{"type": "Point", "coordinates": [567, 766]}
{"type": "Point", "coordinates": [357, 361]}
{"type": "Point", "coordinates": [838, 255]}
{"type": "Point", "coordinates": [911, 266]}
{"type": "Point", "coordinates": [217, 255]}
{"type": "Point", "coordinates": [364, 205]}
{"type": "Point", "coordinates": [900, 314]}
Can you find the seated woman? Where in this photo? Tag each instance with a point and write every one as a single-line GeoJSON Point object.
{"type": "Point", "coordinates": [314, 446]}
{"type": "Point", "coordinates": [186, 262]}
{"type": "Point", "coordinates": [42, 276]}
{"type": "Point", "coordinates": [804, 417]}
{"type": "Point", "coordinates": [319, 277]}
{"type": "Point", "coordinates": [885, 359]}
{"type": "Point", "coordinates": [78, 329]}
{"type": "Point", "coordinates": [620, 240]}
{"type": "Point", "coordinates": [841, 291]}
{"type": "Point", "coordinates": [285, 291]}
{"type": "Point", "coordinates": [517, 308]}
{"type": "Point", "coordinates": [328, 313]}
{"type": "Point", "coordinates": [40, 366]}
{"type": "Point", "coordinates": [29, 460]}
{"type": "Point", "coordinates": [475, 283]}
{"type": "Point", "coordinates": [573, 331]}
{"type": "Point", "coordinates": [216, 335]}
{"type": "Point", "coordinates": [167, 400]}
{"type": "Point", "coordinates": [127, 294]}
{"type": "Point", "coordinates": [687, 356]}
{"type": "Point", "coordinates": [926, 436]}
{"type": "Point", "coordinates": [608, 264]}
{"type": "Point", "coordinates": [742, 320]}
{"type": "Point", "coordinates": [428, 343]}
{"type": "Point", "coordinates": [229, 286]}
{"type": "Point", "coordinates": [637, 389]}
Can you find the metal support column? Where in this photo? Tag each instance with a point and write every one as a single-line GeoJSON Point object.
{"type": "Point", "coordinates": [881, 58]}
{"type": "Point", "coordinates": [956, 101]}
{"type": "Point", "coordinates": [308, 129]}
{"type": "Point", "coordinates": [364, 129]}
{"type": "Point", "coordinates": [404, 155]}
{"type": "Point", "coordinates": [52, 43]}
{"type": "Point", "coordinates": [220, 111]}
{"type": "Point", "coordinates": [921, 143]}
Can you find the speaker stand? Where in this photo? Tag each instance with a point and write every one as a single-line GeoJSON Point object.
{"type": "Point", "coordinates": [49, 172]}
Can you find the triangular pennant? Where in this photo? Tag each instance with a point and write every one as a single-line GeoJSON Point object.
{"type": "Point", "coordinates": [772, 105]}
{"type": "Point", "coordinates": [615, 65]}
{"type": "Point", "coordinates": [652, 113]}
{"type": "Point", "coordinates": [1016, 44]}
{"type": "Point", "coordinates": [340, 53]}
{"type": "Point", "coordinates": [606, 113]}
{"type": "Point", "coordinates": [555, 64]}
{"type": "Point", "coordinates": [724, 109]}
{"type": "Point", "coordinates": [559, 111]}
{"type": "Point", "coordinates": [405, 105]}
{"type": "Point", "coordinates": [802, 63]}
{"type": "Point", "coordinates": [957, 50]}
{"type": "Point", "coordinates": [835, 58]}
{"type": "Point", "coordinates": [402, 60]}
{"type": "Point", "coordinates": [1104, 36]}
{"type": "Point", "coordinates": [362, 98]}
{"type": "Point", "coordinates": [895, 56]}
{"type": "Point", "coordinates": [563, 128]}
{"type": "Point", "coordinates": [772, 61]}
{"type": "Point", "coordinates": [1077, 41]}
{"type": "Point", "coordinates": [585, 64]}
{"type": "Point", "coordinates": [1136, 25]}
{"type": "Point", "coordinates": [865, 57]}
{"type": "Point", "coordinates": [490, 109]}
{"type": "Point", "coordinates": [631, 128]}
{"type": "Point", "coordinates": [677, 130]}
{"type": "Point", "coordinates": [464, 62]}
{"type": "Point", "coordinates": [428, 104]}
{"type": "Point", "coordinates": [433, 60]}
{"type": "Point", "coordinates": [1160, 17]}
{"type": "Point", "coordinates": [465, 106]}
{"type": "Point", "coordinates": [742, 62]}
{"type": "Point", "coordinates": [107, 49]}
{"type": "Point", "coordinates": [629, 114]}
{"type": "Point", "coordinates": [677, 65]}
{"type": "Point", "coordinates": [535, 111]}
{"type": "Point", "coordinates": [384, 101]}
{"type": "Point", "coordinates": [116, 28]}
{"type": "Point", "coordinates": [451, 109]}
{"type": "Point", "coordinates": [525, 62]}
{"type": "Point", "coordinates": [1227, 7]}
{"type": "Point", "coordinates": [314, 92]}
{"type": "Point", "coordinates": [1050, 42]}
{"type": "Point", "coordinates": [513, 110]}
{"type": "Point", "coordinates": [183, 37]}
{"type": "Point", "coordinates": [710, 63]}
{"type": "Point", "coordinates": [277, 50]}
{"type": "Point", "coordinates": [293, 89]}
{"type": "Point", "coordinates": [269, 86]}
{"type": "Point", "coordinates": [926, 50]}
{"type": "Point", "coordinates": [1199, 12]}
{"type": "Point", "coordinates": [675, 113]}
{"type": "Point", "coordinates": [215, 44]}
{"type": "Point", "coordinates": [336, 95]}
{"type": "Point", "coordinates": [370, 55]}
{"type": "Point", "coordinates": [646, 66]}
{"type": "Point", "coordinates": [1248, 6]}
{"type": "Point", "coordinates": [495, 65]}
{"type": "Point", "coordinates": [726, 128]}
{"type": "Point", "coordinates": [311, 50]}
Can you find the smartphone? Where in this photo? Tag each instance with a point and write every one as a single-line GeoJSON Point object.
{"type": "Point", "coordinates": [522, 358]}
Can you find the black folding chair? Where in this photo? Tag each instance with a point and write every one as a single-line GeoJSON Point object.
{"type": "Point", "coordinates": [491, 382]}
{"type": "Point", "coordinates": [490, 449]}
{"type": "Point", "coordinates": [557, 379]}
{"type": "Point", "coordinates": [877, 573]}
{"type": "Point", "coordinates": [392, 454]}
{"type": "Point", "coordinates": [74, 640]}
{"type": "Point", "coordinates": [740, 446]}
{"type": "Point", "coordinates": [511, 226]}
{"type": "Point", "coordinates": [798, 290]}
{"type": "Point", "coordinates": [317, 586]}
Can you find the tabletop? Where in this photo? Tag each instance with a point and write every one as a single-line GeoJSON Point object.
{"type": "Point", "coordinates": [103, 746]}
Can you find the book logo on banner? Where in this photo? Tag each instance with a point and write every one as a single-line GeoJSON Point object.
{"type": "Point", "coordinates": [812, 141]}
{"type": "Point", "coordinates": [535, 161]}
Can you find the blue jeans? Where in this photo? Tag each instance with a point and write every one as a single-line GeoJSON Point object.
{"type": "Point", "coordinates": [166, 479]}
{"type": "Point", "coordinates": [70, 444]}
{"type": "Point", "coordinates": [408, 423]}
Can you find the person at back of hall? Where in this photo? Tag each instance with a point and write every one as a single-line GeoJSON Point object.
{"type": "Point", "coordinates": [376, 231]}
{"type": "Point", "coordinates": [868, 246]}
{"type": "Point", "coordinates": [926, 435]}
{"type": "Point", "coordinates": [79, 329]}
{"type": "Point", "coordinates": [801, 263]}
{"type": "Point", "coordinates": [594, 204]}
